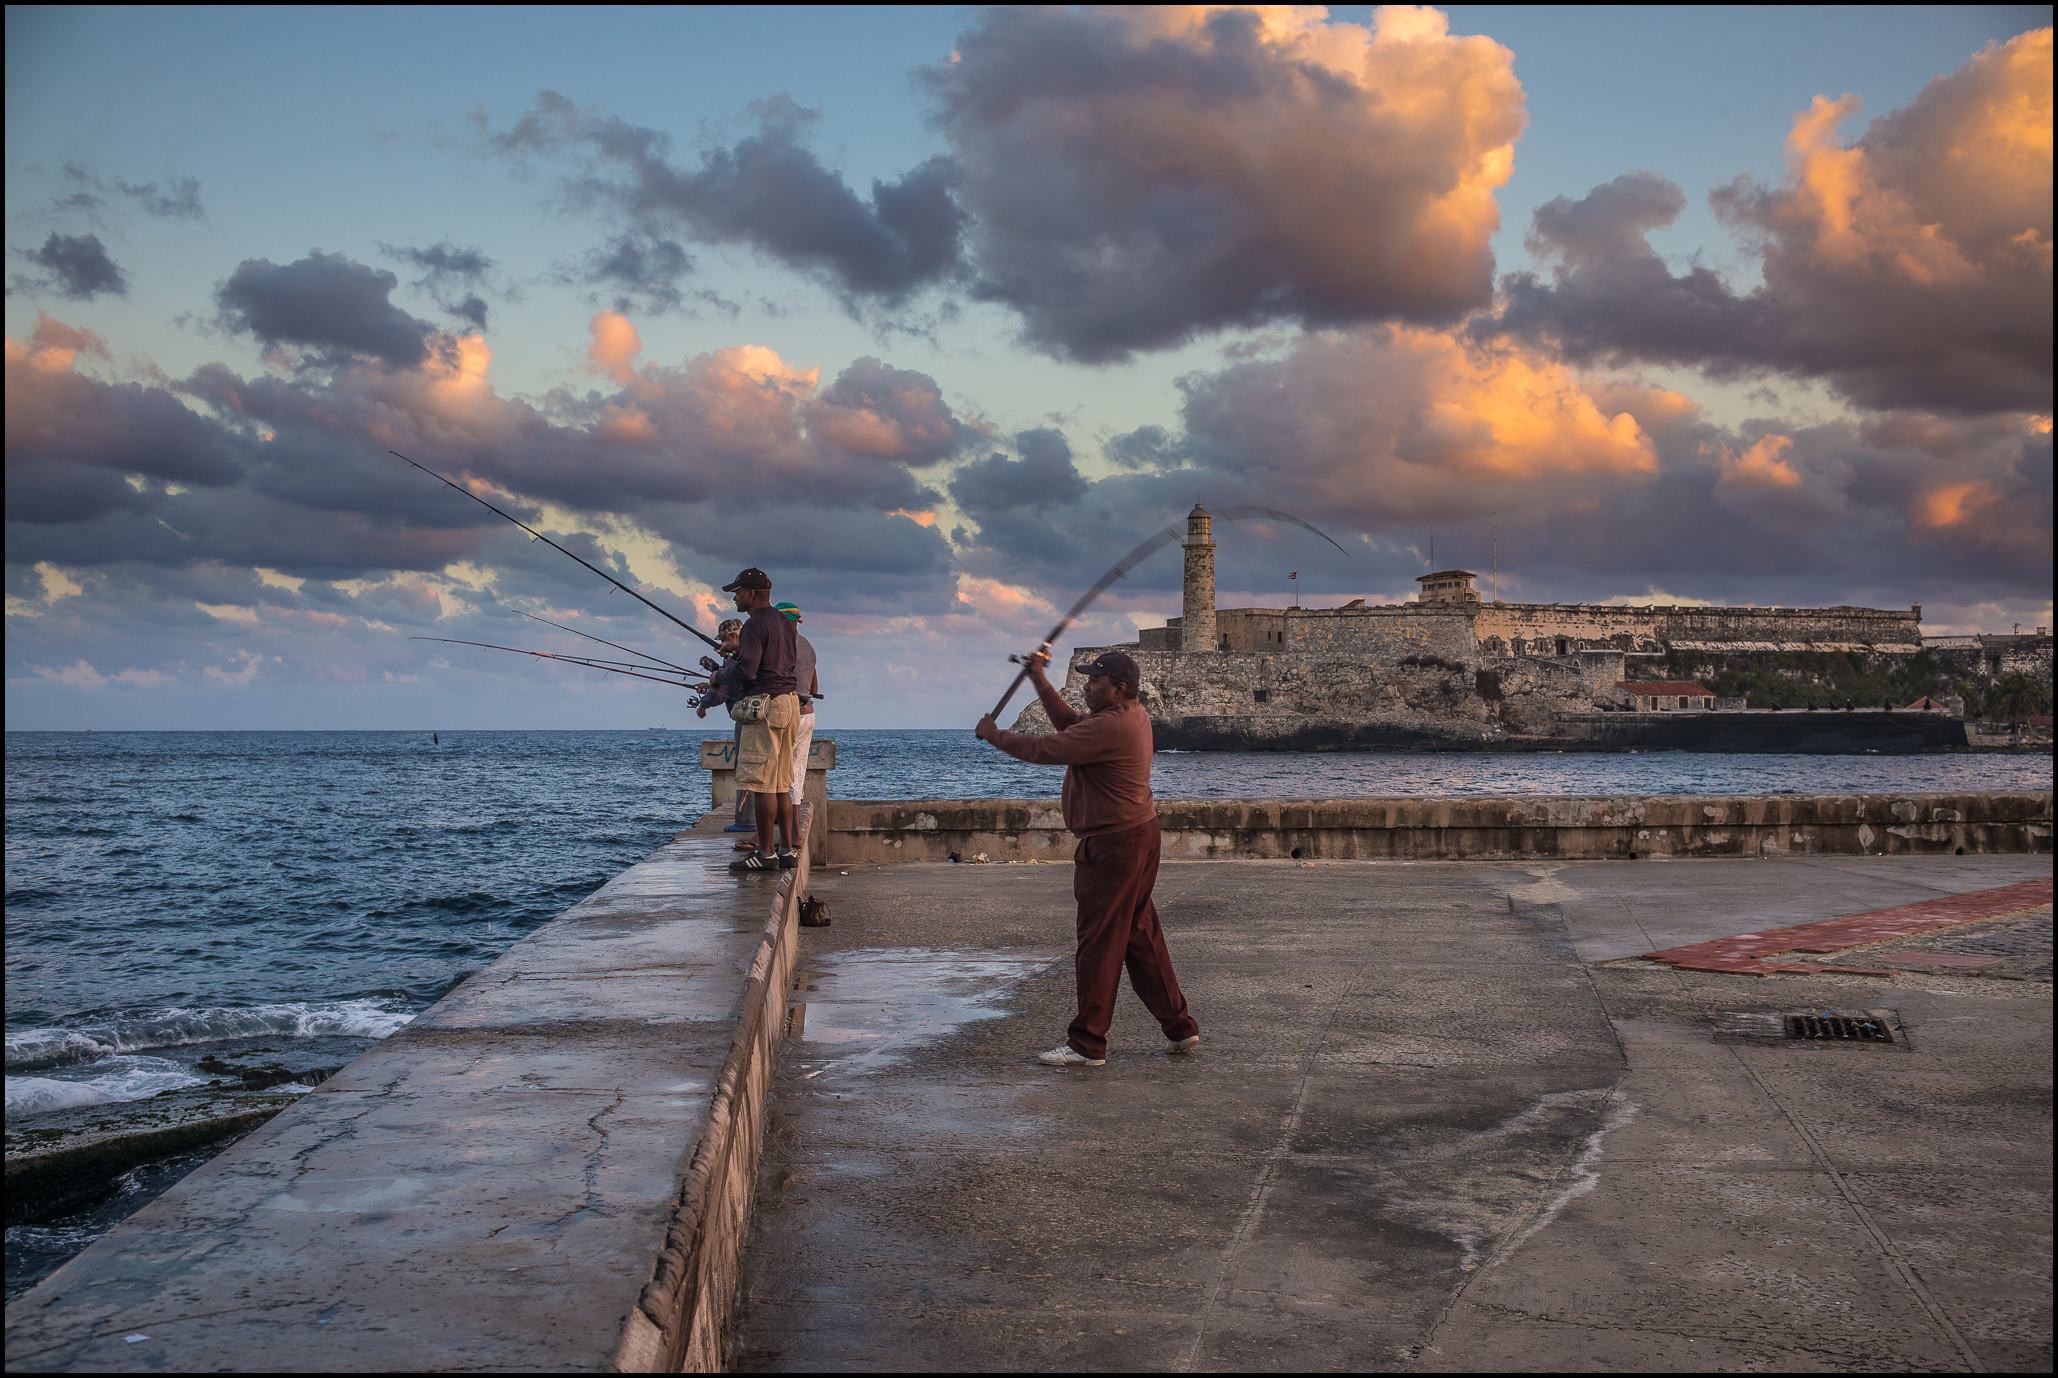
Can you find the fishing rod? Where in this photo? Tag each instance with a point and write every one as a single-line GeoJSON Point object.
{"type": "Point", "coordinates": [605, 642]}
{"type": "Point", "coordinates": [612, 667]}
{"type": "Point", "coordinates": [555, 546]}
{"type": "Point", "coordinates": [1129, 562]}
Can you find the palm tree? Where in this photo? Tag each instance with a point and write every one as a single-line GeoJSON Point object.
{"type": "Point", "coordinates": [2012, 698]}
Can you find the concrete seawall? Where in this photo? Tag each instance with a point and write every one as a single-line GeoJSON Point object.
{"type": "Point", "coordinates": [1449, 829]}
{"type": "Point", "coordinates": [550, 1169]}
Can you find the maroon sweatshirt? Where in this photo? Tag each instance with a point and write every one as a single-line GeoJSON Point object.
{"type": "Point", "coordinates": [1107, 755]}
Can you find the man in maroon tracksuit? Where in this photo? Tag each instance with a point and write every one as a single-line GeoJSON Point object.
{"type": "Point", "coordinates": [1108, 806]}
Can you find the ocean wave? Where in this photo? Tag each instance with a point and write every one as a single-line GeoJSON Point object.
{"type": "Point", "coordinates": [369, 1017]}
{"type": "Point", "coordinates": [123, 1079]}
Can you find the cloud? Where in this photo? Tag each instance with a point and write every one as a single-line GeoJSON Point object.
{"type": "Point", "coordinates": [79, 675]}
{"type": "Point", "coordinates": [72, 441]}
{"type": "Point", "coordinates": [767, 191]}
{"type": "Point", "coordinates": [326, 304]}
{"type": "Point", "coordinates": [1387, 437]}
{"type": "Point", "coordinates": [1910, 269]}
{"type": "Point", "coordinates": [644, 273]}
{"type": "Point", "coordinates": [883, 412]}
{"type": "Point", "coordinates": [452, 275]}
{"type": "Point", "coordinates": [1140, 176]}
{"type": "Point", "coordinates": [738, 455]}
{"type": "Point", "coordinates": [176, 198]}
{"type": "Point", "coordinates": [74, 266]}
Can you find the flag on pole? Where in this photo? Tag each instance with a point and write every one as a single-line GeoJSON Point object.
{"type": "Point", "coordinates": [1294, 574]}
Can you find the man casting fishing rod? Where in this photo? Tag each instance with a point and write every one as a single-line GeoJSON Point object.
{"type": "Point", "coordinates": [1107, 800]}
{"type": "Point", "coordinates": [1107, 755]}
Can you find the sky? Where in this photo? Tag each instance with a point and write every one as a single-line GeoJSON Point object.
{"type": "Point", "coordinates": [935, 313]}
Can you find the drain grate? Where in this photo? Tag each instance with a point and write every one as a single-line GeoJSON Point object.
{"type": "Point", "coordinates": [1842, 1028]}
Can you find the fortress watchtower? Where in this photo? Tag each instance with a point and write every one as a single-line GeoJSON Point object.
{"type": "Point", "coordinates": [1197, 617]}
{"type": "Point", "coordinates": [1448, 586]}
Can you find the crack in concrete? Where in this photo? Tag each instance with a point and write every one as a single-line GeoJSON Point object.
{"type": "Point", "coordinates": [1254, 1210]}
{"type": "Point", "coordinates": [593, 1199]}
{"type": "Point", "coordinates": [1896, 1264]}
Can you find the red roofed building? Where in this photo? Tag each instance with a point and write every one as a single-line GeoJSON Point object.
{"type": "Point", "coordinates": [1665, 695]}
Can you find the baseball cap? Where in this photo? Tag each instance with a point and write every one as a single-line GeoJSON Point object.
{"type": "Point", "coordinates": [1116, 666]}
{"type": "Point", "coordinates": [792, 610]}
{"type": "Point", "coordinates": [752, 578]}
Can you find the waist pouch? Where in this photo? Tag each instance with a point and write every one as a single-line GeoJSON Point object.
{"type": "Point", "coordinates": [751, 708]}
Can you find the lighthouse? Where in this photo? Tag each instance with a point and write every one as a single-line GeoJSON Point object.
{"type": "Point", "coordinates": [1197, 621]}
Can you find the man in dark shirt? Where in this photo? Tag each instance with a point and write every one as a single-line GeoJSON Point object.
{"type": "Point", "coordinates": [770, 715]}
{"type": "Point", "coordinates": [1108, 806]}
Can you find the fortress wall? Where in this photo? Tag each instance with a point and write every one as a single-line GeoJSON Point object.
{"type": "Point", "coordinates": [1533, 628]}
{"type": "Point", "coordinates": [1435, 694]}
{"type": "Point", "coordinates": [1387, 633]}
{"type": "Point", "coordinates": [1518, 629]}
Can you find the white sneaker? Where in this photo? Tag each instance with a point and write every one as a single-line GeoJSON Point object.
{"type": "Point", "coordinates": [1065, 1055]}
{"type": "Point", "coordinates": [1184, 1045]}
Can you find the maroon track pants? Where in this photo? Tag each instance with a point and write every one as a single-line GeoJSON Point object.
{"type": "Point", "coordinates": [1118, 926]}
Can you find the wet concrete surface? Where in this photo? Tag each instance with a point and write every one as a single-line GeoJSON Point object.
{"type": "Point", "coordinates": [487, 1189]}
{"type": "Point", "coordinates": [1436, 1122]}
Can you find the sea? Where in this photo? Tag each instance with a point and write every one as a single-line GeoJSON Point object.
{"type": "Point", "coordinates": [174, 895]}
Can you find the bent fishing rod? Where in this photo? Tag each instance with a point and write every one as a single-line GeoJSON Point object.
{"type": "Point", "coordinates": [1129, 562]}
{"type": "Point", "coordinates": [612, 666]}
{"type": "Point", "coordinates": [555, 546]}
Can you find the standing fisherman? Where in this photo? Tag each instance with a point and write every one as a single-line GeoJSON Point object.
{"type": "Point", "coordinates": [768, 710]}
{"type": "Point", "coordinates": [1108, 806]}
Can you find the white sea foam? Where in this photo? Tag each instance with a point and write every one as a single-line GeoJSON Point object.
{"type": "Point", "coordinates": [177, 1026]}
{"type": "Point", "coordinates": [121, 1078]}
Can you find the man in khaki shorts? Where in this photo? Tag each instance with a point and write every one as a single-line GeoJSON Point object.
{"type": "Point", "coordinates": [767, 709]}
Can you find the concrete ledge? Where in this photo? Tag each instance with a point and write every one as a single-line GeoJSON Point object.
{"type": "Point", "coordinates": [1520, 827]}
{"type": "Point", "coordinates": [682, 1319]}
{"type": "Point", "coordinates": [548, 1170]}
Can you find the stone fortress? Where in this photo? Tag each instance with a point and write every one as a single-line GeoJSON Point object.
{"type": "Point", "coordinates": [1450, 670]}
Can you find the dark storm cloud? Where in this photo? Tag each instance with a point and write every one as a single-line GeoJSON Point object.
{"type": "Point", "coordinates": [73, 266]}
{"type": "Point", "coordinates": [1139, 176]}
{"type": "Point", "coordinates": [767, 191]}
{"type": "Point", "coordinates": [326, 304]}
{"type": "Point", "coordinates": [1911, 269]}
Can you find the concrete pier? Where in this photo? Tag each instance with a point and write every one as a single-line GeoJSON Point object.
{"type": "Point", "coordinates": [548, 1170]}
{"type": "Point", "coordinates": [1443, 1117]}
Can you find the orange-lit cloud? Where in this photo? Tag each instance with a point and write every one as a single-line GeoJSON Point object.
{"type": "Point", "coordinates": [615, 346]}
{"type": "Point", "coordinates": [1954, 504]}
{"type": "Point", "coordinates": [1397, 421]}
{"type": "Point", "coordinates": [1912, 268]}
{"type": "Point", "coordinates": [1763, 463]}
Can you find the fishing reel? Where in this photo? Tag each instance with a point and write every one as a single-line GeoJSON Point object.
{"type": "Point", "coordinates": [1043, 650]}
